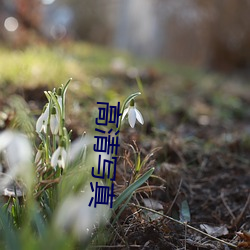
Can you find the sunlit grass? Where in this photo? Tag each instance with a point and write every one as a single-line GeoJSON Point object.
{"type": "Point", "coordinates": [37, 65]}
{"type": "Point", "coordinates": [41, 64]}
{"type": "Point", "coordinates": [94, 77]}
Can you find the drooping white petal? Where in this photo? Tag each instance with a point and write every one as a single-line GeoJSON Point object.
{"type": "Point", "coordinates": [46, 112]}
{"type": "Point", "coordinates": [62, 161]}
{"type": "Point", "coordinates": [59, 99]}
{"type": "Point", "coordinates": [44, 127]}
{"type": "Point", "coordinates": [54, 124]}
{"type": "Point", "coordinates": [39, 123]}
{"type": "Point", "coordinates": [139, 116]}
{"type": "Point", "coordinates": [124, 113]}
{"type": "Point", "coordinates": [42, 121]}
{"type": "Point", "coordinates": [55, 156]}
{"type": "Point", "coordinates": [64, 154]}
{"type": "Point", "coordinates": [132, 117]}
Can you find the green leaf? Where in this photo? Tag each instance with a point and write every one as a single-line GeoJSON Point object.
{"type": "Point", "coordinates": [65, 87]}
{"type": "Point", "coordinates": [122, 208]}
{"type": "Point", "coordinates": [129, 190]}
{"type": "Point", "coordinates": [138, 163]}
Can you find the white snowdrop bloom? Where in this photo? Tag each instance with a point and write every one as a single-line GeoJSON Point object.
{"type": "Point", "coordinates": [59, 157]}
{"type": "Point", "coordinates": [76, 217]}
{"type": "Point", "coordinates": [54, 121]}
{"type": "Point", "coordinates": [17, 152]}
{"type": "Point", "coordinates": [59, 99]}
{"type": "Point", "coordinates": [133, 114]}
{"type": "Point", "coordinates": [42, 121]}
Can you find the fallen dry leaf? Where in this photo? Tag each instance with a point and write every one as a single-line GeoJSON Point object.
{"type": "Point", "coordinates": [153, 204]}
{"type": "Point", "coordinates": [215, 231]}
{"type": "Point", "coordinates": [245, 236]}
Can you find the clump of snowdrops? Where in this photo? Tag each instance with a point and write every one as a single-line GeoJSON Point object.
{"type": "Point", "coordinates": [46, 177]}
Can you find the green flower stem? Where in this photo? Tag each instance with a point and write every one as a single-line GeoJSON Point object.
{"type": "Point", "coordinates": [53, 142]}
{"type": "Point", "coordinates": [47, 137]}
{"type": "Point", "coordinates": [66, 138]}
{"type": "Point", "coordinates": [46, 148]}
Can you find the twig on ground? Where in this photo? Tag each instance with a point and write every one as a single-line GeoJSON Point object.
{"type": "Point", "coordinates": [227, 207]}
{"type": "Point", "coordinates": [115, 247]}
{"type": "Point", "coordinates": [239, 217]}
{"type": "Point", "coordinates": [173, 202]}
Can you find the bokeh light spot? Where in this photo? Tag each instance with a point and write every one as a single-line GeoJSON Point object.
{"type": "Point", "coordinates": [11, 24]}
{"type": "Point", "coordinates": [58, 31]}
{"type": "Point", "coordinates": [47, 2]}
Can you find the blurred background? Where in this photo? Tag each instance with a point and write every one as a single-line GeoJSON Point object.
{"type": "Point", "coordinates": [211, 34]}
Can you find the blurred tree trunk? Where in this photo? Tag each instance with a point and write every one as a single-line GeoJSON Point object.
{"type": "Point", "coordinates": [28, 15]}
{"type": "Point", "coordinates": [229, 34]}
{"type": "Point", "coordinates": [211, 33]}
{"type": "Point", "coordinates": [92, 20]}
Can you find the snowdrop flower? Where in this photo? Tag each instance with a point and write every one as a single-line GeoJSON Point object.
{"type": "Point", "coordinates": [76, 217]}
{"type": "Point", "coordinates": [59, 157]}
{"type": "Point", "coordinates": [133, 114]}
{"type": "Point", "coordinates": [54, 121]}
{"type": "Point", "coordinates": [42, 122]}
{"type": "Point", "coordinates": [17, 152]}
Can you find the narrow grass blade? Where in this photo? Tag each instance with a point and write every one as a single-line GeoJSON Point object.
{"type": "Point", "coordinates": [122, 209]}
